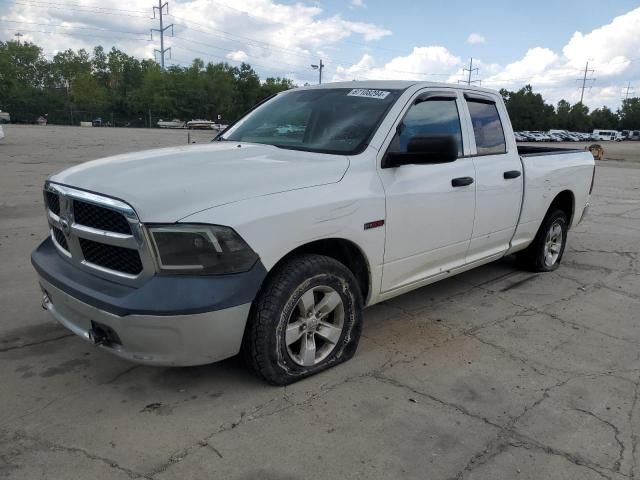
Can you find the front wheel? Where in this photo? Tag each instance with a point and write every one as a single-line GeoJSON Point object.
{"type": "Point", "coordinates": [545, 252]}
{"type": "Point", "coordinates": [307, 318]}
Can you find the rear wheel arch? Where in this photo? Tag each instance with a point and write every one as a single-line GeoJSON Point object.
{"type": "Point", "coordinates": [566, 202]}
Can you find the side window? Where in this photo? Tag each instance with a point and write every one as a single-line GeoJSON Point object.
{"type": "Point", "coordinates": [431, 117]}
{"type": "Point", "coordinates": [487, 128]}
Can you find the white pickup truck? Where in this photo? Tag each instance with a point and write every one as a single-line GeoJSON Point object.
{"type": "Point", "coordinates": [319, 202]}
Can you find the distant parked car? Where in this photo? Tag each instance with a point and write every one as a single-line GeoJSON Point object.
{"type": "Point", "coordinates": [585, 137]}
{"type": "Point", "coordinates": [5, 117]}
{"type": "Point", "coordinates": [539, 137]}
{"type": "Point", "coordinates": [556, 137]}
{"type": "Point", "coordinates": [1, 133]}
{"type": "Point", "coordinates": [520, 137]}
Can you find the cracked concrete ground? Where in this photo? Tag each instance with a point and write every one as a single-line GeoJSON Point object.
{"type": "Point", "coordinates": [494, 374]}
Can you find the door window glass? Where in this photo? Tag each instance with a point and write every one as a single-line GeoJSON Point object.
{"type": "Point", "coordinates": [431, 117]}
{"type": "Point", "coordinates": [487, 128]}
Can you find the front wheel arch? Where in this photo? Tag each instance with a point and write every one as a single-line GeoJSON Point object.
{"type": "Point", "coordinates": [344, 251]}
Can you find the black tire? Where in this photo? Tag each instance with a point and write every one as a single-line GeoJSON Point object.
{"type": "Point", "coordinates": [533, 257]}
{"type": "Point", "coordinates": [264, 347]}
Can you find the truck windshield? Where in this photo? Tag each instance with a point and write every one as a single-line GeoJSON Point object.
{"type": "Point", "coordinates": [335, 120]}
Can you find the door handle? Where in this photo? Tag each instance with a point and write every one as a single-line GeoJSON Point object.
{"type": "Point", "coordinates": [461, 181]}
{"type": "Point", "coordinates": [512, 174]}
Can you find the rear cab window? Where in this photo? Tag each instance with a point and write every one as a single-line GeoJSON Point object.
{"type": "Point", "coordinates": [487, 127]}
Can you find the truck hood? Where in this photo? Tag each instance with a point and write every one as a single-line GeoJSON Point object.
{"type": "Point", "coordinates": [168, 184]}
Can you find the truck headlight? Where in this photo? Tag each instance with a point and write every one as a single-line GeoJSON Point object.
{"type": "Point", "coordinates": [201, 249]}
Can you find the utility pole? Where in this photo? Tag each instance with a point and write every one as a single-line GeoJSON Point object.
{"type": "Point", "coordinates": [470, 70]}
{"type": "Point", "coordinates": [18, 35]}
{"type": "Point", "coordinates": [160, 9]}
{"type": "Point", "coordinates": [585, 80]}
{"type": "Point", "coordinates": [319, 67]}
{"type": "Point", "coordinates": [628, 91]}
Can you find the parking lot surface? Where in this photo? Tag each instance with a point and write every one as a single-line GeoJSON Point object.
{"type": "Point", "coordinates": [494, 374]}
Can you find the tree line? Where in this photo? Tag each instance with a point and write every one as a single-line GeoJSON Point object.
{"type": "Point", "coordinates": [79, 86]}
{"type": "Point", "coordinates": [529, 111]}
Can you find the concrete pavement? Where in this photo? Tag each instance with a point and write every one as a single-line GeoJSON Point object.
{"type": "Point", "coordinates": [494, 374]}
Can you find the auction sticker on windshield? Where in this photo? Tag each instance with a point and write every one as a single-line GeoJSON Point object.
{"type": "Point", "coordinates": [368, 93]}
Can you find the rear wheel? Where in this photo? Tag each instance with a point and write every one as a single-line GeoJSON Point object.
{"type": "Point", "coordinates": [307, 318]}
{"type": "Point", "coordinates": [545, 252]}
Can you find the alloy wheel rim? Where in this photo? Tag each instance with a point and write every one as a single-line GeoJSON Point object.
{"type": "Point", "coordinates": [315, 326]}
{"type": "Point", "coordinates": [553, 244]}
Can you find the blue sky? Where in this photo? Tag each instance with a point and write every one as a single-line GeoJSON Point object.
{"type": "Point", "coordinates": [513, 43]}
{"type": "Point", "coordinates": [510, 27]}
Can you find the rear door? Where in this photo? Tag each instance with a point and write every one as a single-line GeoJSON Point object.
{"type": "Point", "coordinates": [428, 219]}
{"type": "Point", "coordinates": [499, 178]}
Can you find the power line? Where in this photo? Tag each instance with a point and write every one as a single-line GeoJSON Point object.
{"type": "Point", "coordinates": [585, 80]}
{"type": "Point", "coordinates": [160, 8]}
{"type": "Point", "coordinates": [243, 40]}
{"type": "Point", "coordinates": [82, 5]}
{"type": "Point", "coordinates": [208, 45]}
{"type": "Point", "coordinates": [253, 64]}
{"type": "Point", "coordinates": [75, 34]}
{"type": "Point", "coordinates": [38, 4]}
{"type": "Point", "coordinates": [58, 25]}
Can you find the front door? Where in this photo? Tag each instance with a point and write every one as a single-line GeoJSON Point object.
{"type": "Point", "coordinates": [429, 208]}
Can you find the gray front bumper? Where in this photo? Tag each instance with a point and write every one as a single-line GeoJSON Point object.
{"type": "Point", "coordinates": [169, 340]}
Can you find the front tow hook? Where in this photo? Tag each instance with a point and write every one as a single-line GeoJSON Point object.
{"type": "Point", "coordinates": [46, 301]}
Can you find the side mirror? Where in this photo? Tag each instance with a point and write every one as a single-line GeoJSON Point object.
{"type": "Point", "coordinates": [425, 150]}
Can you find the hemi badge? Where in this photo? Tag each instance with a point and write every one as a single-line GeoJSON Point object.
{"type": "Point", "coordinates": [376, 224]}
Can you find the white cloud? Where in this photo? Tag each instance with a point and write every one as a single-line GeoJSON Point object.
{"type": "Point", "coordinates": [474, 38]}
{"type": "Point", "coordinates": [276, 38]}
{"type": "Point", "coordinates": [238, 56]}
{"type": "Point", "coordinates": [612, 51]}
{"type": "Point", "coordinates": [358, 3]}
{"type": "Point", "coordinates": [423, 63]}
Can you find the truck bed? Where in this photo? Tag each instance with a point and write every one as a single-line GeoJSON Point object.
{"type": "Point", "coordinates": [531, 151]}
{"type": "Point", "coordinates": [547, 172]}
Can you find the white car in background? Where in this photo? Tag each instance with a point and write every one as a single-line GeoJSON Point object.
{"type": "Point", "coordinates": [1, 133]}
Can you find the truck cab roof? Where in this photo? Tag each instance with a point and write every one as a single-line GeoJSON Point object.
{"type": "Point", "coordinates": [397, 85]}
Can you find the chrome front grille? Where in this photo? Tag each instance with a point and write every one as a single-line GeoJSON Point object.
{"type": "Point", "coordinates": [52, 201]}
{"type": "Point", "coordinates": [114, 258]}
{"type": "Point", "coordinates": [60, 238]}
{"type": "Point", "coordinates": [99, 234]}
{"type": "Point", "coordinates": [99, 217]}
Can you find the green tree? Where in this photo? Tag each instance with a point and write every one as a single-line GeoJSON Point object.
{"type": "Point", "coordinates": [562, 115]}
{"type": "Point", "coordinates": [527, 110]}
{"type": "Point", "coordinates": [603, 118]}
{"type": "Point", "coordinates": [579, 120]}
{"type": "Point", "coordinates": [630, 114]}
{"type": "Point", "coordinates": [274, 85]}
{"type": "Point", "coordinates": [68, 65]}
{"type": "Point", "coordinates": [88, 94]}
{"type": "Point", "coordinates": [24, 75]}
